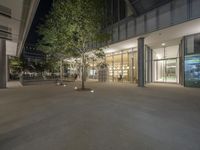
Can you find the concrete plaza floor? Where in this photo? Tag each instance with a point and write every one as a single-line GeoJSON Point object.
{"type": "Point", "coordinates": [114, 117]}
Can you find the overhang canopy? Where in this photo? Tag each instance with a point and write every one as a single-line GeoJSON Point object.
{"type": "Point", "coordinates": [15, 20]}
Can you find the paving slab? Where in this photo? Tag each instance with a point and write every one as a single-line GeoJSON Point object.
{"type": "Point", "coordinates": [115, 116]}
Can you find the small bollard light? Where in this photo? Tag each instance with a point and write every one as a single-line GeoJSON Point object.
{"type": "Point", "coordinates": [92, 91]}
{"type": "Point", "coordinates": [75, 88]}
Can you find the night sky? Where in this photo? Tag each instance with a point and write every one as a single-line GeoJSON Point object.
{"type": "Point", "coordinates": [43, 9]}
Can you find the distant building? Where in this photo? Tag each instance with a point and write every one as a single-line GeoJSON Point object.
{"type": "Point", "coordinates": [32, 55]}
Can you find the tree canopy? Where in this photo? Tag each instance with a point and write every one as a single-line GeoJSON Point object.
{"type": "Point", "coordinates": [71, 26]}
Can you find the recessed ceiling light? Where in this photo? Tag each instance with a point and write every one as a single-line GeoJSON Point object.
{"type": "Point", "coordinates": [163, 44]}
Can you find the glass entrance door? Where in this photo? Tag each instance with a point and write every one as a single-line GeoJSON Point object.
{"type": "Point", "coordinates": [165, 70]}
{"type": "Point", "coordinates": [170, 70]}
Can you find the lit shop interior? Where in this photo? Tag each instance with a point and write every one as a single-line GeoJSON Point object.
{"type": "Point", "coordinates": [177, 61]}
{"type": "Point", "coordinates": [122, 65]}
{"type": "Point", "coordinates": [163, 67]}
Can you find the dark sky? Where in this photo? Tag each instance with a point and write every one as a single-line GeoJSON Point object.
{"type": "Point", "coordinates": [43, 9]}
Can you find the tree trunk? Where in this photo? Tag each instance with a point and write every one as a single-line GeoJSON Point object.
{"type": "Point", "coordinates": [61, 71]}
{"type": "Point", "coordinates": [83, 72]}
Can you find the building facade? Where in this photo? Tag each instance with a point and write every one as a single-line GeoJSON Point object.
{"type": "Point", "coordinates": [154, 41]}
{"type": "Point", "coordinates": [15, 21]}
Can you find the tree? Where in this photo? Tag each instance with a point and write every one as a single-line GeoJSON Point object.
{"type": "Point", "coordinates": [52, 38]}
{"type": "Point", "coordinates": [71, 27]}
{"type": "Point", "coordinates": [15, 64]}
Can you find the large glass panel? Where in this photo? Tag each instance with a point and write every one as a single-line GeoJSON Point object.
{"type": "Point", "coordinates": [125, 67]}
{"type": "Point", "coordinates": [165, 70]}
{"type": "Point", "coordinates": [192, 61]}
{"type": "Point", "coordinates": [171, 70]}
{"type": "Point", "coordinates": [117, 67]}
{"type": "Point", "coordinates": [109, 61]}
{"type": "Point", "coordinates": [192, 70]}
{"type": "Point", "coordinates": [135, 66]}
{"type": "Point", "coordinates": [158, 71]}
{"type": "Point", "coordinates": [166, 64]}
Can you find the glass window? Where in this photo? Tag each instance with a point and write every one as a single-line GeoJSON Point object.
{"type": "Point", "coordinates": [190, 44]}
{"type": "Point", "coordinates": [197, 43]}
{"type": "Point", "coordinates": [117, 66]}
{"type": "Point", "coordinates": [125, 67]}
{"type": "Point", "coordinates": [192, 70]}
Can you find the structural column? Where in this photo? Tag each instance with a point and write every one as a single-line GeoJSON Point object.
{"type": "Point", "coordinates": [3, 68]}
{"type": "Point", "coordinates": [149, 64]}
{"type": "Point", "coordinates": [141, 62]}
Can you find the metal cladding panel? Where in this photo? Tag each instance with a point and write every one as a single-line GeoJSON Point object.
{"type": "Point", "coordinates": [195, 5]}
{"type": "Point", "coordinates": [151, 21]}
{"type": "Point", "coordinates": [180, 11]}
{"type": "Point", "coordinates": [131, 28]}
{"type": "Point", "coordinates": [122, 28]}
{"type": "Point", "coordinates": [140, 25]}
{"type": "Point", "coordinates": [164, 17]}
{"type": "Point", "coordinates": [115, 33]}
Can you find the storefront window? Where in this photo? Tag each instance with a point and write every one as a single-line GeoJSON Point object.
{"type": "Point", "coordinates": [122, 66]}
{"type": "Point", "coordinates": [192, 61]}
{"type": "Point", "coordinates": [192, 71]}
